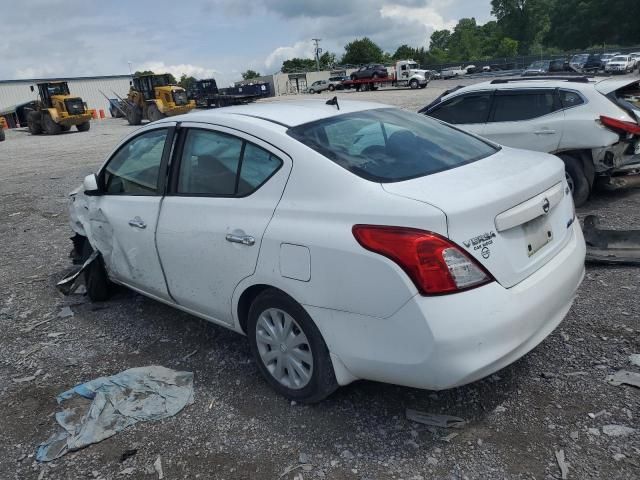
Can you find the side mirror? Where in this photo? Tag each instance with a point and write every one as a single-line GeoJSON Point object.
{"type": "Point", "coordinates": [31, 87]}
{"type": "Point", "coordinates": [90, 184]}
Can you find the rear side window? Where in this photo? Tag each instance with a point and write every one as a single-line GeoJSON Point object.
{"type": "Point", "coordinates": [511, 107]}
{"type": "Point", "coordinates": [570, 99]}
{"type": "Point", "coordinates": [391, 145]}
{"type": "Point", "coordinates": [218, 164]}
{"type": "Point", "coordinates": [470, 108]}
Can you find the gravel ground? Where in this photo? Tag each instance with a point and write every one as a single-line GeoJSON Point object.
{"type": "Point", "coordinates": [238, 428]}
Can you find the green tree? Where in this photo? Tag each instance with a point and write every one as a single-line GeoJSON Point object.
{"type": "Point", "coordinates": [327, 60]}
{"type": "Point", "coordinates": [361, 51]}
{"type": "Point", "coordinates": [250, 74]}
{"type": "Point", "coordinates": [298, 65]}
{"type": "Point", "coordinates": [186, 81]}
{"type": "Point", "coordinates": [440, 39]}
{"type": "Point", "coordinates": [508, 47]}
{"type": "Point", "coordinates": [404, 52]}
{"type": "Point", "coordinates": [527, 21]}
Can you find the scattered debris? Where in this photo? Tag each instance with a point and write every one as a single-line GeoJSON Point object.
{"type": "Point", "coordinates": [435, 419]}
{"type": "Point", "coordinates": [610, 246]}
{"type": "Point", "coordinates": [448, 438]}
{"type": "Point", "coordinates": [626, 377]}
{"type": "Point", "coordinates": [65, 312]}
{"type": "Point", "coordinates": [635, 359]}
{"type": "Point", "coordinates": [619, 456]}
{"type": "Point", "coordinates": [24, 379]}
{"type": "Point", "coordinates": [100, 408]}
{"type": "Point", "coordinates": [189, 355]}
{"type": "Point", "coordinates": [575, 374]}
{"type": "Point", "coordinates": [69, 283]}
{"type": "Point", "coordinates": [594, 431]}
{"type": "Point", "coordinates": [596, 415]}
{"type": "Point", "coordinates": [574, 435]}
{"type": "Point", "coordinates": [346, 454]}
{"type": "Point", "coordinates": [127, 471]}
{"type": "Point", "coordinates": [157, 466]}
{"type": "Point", "coordinates": [617, 430]}
{"type": "Point", "coordinates": [564, 468]}
{"type": "Point", "coordinates": [128, 454]}
{"type": "Point", "coordinates": [36, 325]}
{"type": "Point", "coordinates": [304, 466]}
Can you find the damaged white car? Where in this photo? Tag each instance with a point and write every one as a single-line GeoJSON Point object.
{"type": "Point", "coordinates": [350, 241]}
{"type": "Point", "coordinates": [593, 126]}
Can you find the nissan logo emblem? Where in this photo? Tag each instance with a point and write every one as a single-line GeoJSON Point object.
{"type": "Point", "coordinates": [545, 205]}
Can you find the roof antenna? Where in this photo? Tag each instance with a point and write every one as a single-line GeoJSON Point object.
{"type": "Point", "coordinates": [333, 101]}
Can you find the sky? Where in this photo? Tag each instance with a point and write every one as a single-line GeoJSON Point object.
{"type": "Point", "coordinates": [204, 38]}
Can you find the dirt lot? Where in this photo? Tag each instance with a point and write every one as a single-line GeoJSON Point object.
{"type": "Point", "coordinates": [238, 428]}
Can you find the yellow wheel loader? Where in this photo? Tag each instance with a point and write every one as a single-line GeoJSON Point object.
{"type": "Point", "coordinates": [153, 97]}
{"type": "Point", "coordinates": [3, 125]}
{"type": "Point", "coordinates": [57, 110]}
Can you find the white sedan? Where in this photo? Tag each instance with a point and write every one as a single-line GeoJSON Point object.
{"type": "Point", "coordinates": [351, 241]}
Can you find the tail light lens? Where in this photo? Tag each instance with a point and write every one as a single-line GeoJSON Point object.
{"type": "Point", "coordinates": [620, 126]}
{"type": "Point", "coordinates": [435, 265]}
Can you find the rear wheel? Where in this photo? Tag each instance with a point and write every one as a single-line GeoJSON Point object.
{"type": "Point", "coordinates": [288, 348]}
{"type": "Point", "coordinates": [83, 127]}
{"type": "Point", "coordinates": [95, 276]}
{"type": "Point", "coordinates": [331, 88]}
{"type": "Point", "coordinates": [134, 115]}
{"type": "Point", "coordinates": [34, 123]}
{"type": "Point", "coordinates": [50, 127]}
{"type": "Point", "coordinates": [576, 178]}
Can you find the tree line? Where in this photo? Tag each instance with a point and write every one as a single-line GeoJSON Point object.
{"type": "Point", "coordinates": [522, 27]}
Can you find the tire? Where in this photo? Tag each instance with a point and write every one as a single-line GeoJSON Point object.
{"type": "Point", "coordinates": [414, 84]}
{"type": "Point", "coordinates": [95, 276]}
{"type": "Point", "coordinates": [331, 88]}
{"type": "Point", "coordinates": [65, 128]}
{"type": "Point", "coordinates": [271, 309]}
{"type": "Point", "coordinates": [134, 115]}
{"type": "Point", "coordinates": [49, 126]}
{"type": "Point", "coordinates": [83, 127]}
{"type": "Point", "coordinates": [153, 113]}
{"type": "Point", "coordinates": [2, 135]}
{"type": "Point", "coordinates": [576, 178]}
{"type": "Point", "coordinates": [33, 123]}
{"type": "Point", "coordinates": [312, 91]}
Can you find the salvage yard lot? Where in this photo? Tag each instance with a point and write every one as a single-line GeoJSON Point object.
{"type": "Point", "coordinates": [238, 427]}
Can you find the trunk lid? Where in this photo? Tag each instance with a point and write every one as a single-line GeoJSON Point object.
{"type": "Point", "coordinates": [510, 211]}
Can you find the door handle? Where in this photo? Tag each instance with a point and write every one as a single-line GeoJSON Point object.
{"type": "Point", "coordinates": [137, 222]}
{"type": "Point", "coordinates": [545, 132]}
{"type": "Point", "coordinates": [243, 239]}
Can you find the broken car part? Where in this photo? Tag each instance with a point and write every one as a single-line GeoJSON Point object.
{"type": "Point", "coordinates": [610, 246]}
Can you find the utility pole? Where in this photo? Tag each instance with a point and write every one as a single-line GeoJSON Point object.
{"type": "Point", "coordinates": [318, 52]}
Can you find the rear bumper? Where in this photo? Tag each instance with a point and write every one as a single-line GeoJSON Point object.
{"type": "Point", "coordinates": [442, 342]}
{"type": "Point", "coordinates": [75, 119]}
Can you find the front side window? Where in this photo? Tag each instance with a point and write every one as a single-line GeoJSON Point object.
{"type": "Point", "coordinates": [514, 106]}
{"type": "Point", "coordinates": [218, 164]}
{"type": "Point", "coordinates": [135, 168]}
{"type": "Point", "coordinates": [465, 109]}
{"type": "Point", "coordinates": [390, 145]}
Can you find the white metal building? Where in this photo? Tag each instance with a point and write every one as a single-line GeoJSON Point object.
{"type": "Point", "coordinates": [14, 92]}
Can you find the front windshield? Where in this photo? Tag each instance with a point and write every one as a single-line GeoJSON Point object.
{"type": "Point", "coordinates": [538, 64]}
{"type": "Point", "coordinates": [160, 80]}
{"type": "Point", "coordinates": [58, 89]}
{"type": "Point", "coordinates": [390, 145]}
{"type": "Point", "coordinates": [619, 58]}
{"type": "Point", "coordinates": [413, 66]}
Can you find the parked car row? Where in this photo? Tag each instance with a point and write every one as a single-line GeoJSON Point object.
{"type": "Point", "coordinates": [592, 126]}
{"type": "Point", "coordinates": [596, 62]}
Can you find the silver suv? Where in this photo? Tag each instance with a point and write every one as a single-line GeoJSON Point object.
{"type": "Point", "coordinates": [318, 86]}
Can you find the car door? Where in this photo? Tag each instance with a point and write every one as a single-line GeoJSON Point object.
{"type": "Point", "coordinates": [469, 111]}
{"type": "Point", "coordinates": [224, 189]}
{"type": "Point", "coordinates": [122, 217]}
{"type": "Point", "coordinates": [526, 118]}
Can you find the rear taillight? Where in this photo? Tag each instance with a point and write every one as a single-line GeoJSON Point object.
{"type": "Point", "coordinates": [620, 126]}
{"type": "Point", "coordinates": [434, 264]}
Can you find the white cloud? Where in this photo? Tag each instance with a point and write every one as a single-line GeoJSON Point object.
{"type": "Point", "coordinates": [177, 71]}
{"type": "Point", "coordinates": [303, 49]}
{"type": "Point", "coordinates": [427, 16]}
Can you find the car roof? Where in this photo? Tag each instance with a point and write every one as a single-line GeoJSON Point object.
{"type": "Point", "coordinates": [289, 113]}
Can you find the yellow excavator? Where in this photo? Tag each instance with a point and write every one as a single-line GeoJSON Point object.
{"type": "Point", "coordinates": [153, 97]}
{"type": "Point", "coordinates": [57, 110]}
{"type": "Point", "coordinates": [3, 125]}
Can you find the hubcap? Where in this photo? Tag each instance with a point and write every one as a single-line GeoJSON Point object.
{"type": "Point", "coordinates": [284, 348]}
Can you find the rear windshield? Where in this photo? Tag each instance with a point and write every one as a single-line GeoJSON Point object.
{"type": "Point", "coordinates": [390, 145]}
